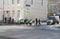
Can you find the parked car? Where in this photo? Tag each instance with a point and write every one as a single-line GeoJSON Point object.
{"type": "Point", "coordinates": [52, 20]}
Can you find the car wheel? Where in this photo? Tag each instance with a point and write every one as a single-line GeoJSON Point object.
{"type": "Point", "coordinates": [57, 22]}
{"type": "Point", "coordinates": [53, 23]}
{"type": "Point", "coordinates": [48, 23]}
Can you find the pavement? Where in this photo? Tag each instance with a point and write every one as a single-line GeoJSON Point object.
{"type": "Point", "coordinates": [28, 32]}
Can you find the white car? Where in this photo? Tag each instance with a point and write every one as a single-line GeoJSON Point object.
{"type": "Point", "coordinates": [52, 20]}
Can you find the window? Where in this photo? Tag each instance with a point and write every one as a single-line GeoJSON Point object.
{"type": "Point", "coordinates": [4, 1]}
{"type": "Point", "coordinates": [8, 2]}
{"type": "Point", "coordinates": [27, 1]}
{"type": "Point", "coordinates": [18, 13]}
{"type": "Point", "coordinates": [12, 1]}
{"type": "Point", "coordinates": [18, 1]}
{"type": "Point", "coordinates": [27, 11]}
{"type": "Point", "coordinates": [42, 3]}
{"type": "Point", "coordinates": [4, 13]}
{"type": "Point", "coordinates": [31, 1]}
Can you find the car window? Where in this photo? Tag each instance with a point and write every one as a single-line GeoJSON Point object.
{"type": "Point", "coordinates": [52, 18]}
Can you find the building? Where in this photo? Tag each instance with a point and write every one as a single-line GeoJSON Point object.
{"type": "Point", "coordinates": [21, 9]}
{"type": "Point", "coordinates": [54, 6]}
{"type": "Point", "coordinates": [1, 12]}
{"type": "Point", "coordinates": [38, 9]}
{"type": "Point", "coordinates": [1, 17]}
{"type": "Point", "coordinates": [12, 8]}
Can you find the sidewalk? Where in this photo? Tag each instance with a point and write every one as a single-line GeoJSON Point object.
{"type": "Point", "coordinates": [4, 26]}
{"type": "Point", "coordinates": [42, 27]}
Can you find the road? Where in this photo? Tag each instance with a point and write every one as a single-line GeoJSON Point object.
{"type": "Point", "coordinates": [24, 32]}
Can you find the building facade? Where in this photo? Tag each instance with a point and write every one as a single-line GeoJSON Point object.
{"type": "Point", "coordinates": [38, 9]}
{"type": "Point", "coordinates": [1, 10]}
{"type": "Point", "coordinates": [14, 9]}
{"type": "Point", "coordinates": [21, 9]}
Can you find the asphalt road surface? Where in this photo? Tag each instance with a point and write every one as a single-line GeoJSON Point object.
{"type": "Point", "coordinates": [17, 32]}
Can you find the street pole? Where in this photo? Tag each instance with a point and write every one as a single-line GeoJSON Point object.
{"type": "Point", "coordinates": [3, 11]}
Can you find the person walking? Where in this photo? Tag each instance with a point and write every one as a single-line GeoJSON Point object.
{"type": "Point", "coordinates": [13, 21]}
{"type": "Point", "coordinates": [39, 22]}
{"type": "Point", "coordinates": [5, 19]}
{"type": "Point", "coordinates": [36, 21]}
{"type": "Point", "coordinates": [9, 21]}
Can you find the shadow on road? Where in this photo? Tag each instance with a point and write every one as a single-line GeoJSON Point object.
{"type": "Point", "coordinates": [3, 37]}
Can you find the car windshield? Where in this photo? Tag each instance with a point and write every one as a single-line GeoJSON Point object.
{"type": "Point", "coordinates": [51, 18]}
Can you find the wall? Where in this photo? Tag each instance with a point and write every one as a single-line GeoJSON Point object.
{"type": "Point", "coordinates": [1, 9]}
{"type": "Point", "coordinates": [37, 10]}
{"type": "Point", "coordinates": [8, 6]}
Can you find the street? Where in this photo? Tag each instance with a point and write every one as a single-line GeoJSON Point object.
{"type": "Point", "coordinates": [24, 32]}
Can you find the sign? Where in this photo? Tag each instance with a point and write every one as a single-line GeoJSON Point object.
{"type": "Point", "coordinates": [28, 2]}
{"type": "Point", "coordinates": [27, 5]}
